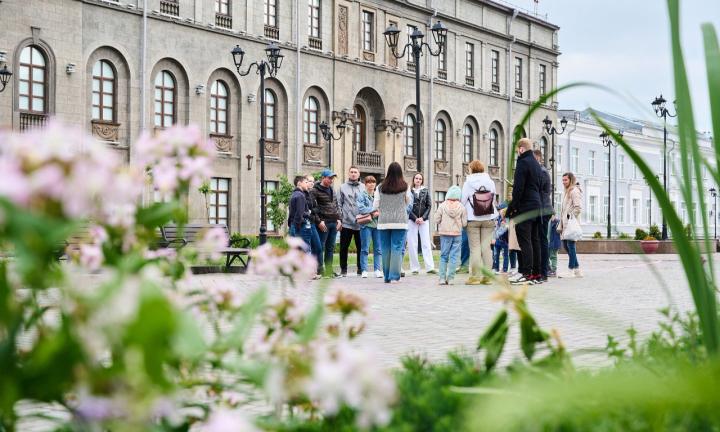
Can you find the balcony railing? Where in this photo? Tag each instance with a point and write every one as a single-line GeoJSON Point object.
{"type": "Point", "coordinates": [496, 87]}
{"type": "Point", "coordinates": [368, 161]}
{"type": "Point", "coordinates": [29, 121]}
{"type": "Point", "coordinates": [315, 43]}
{"type": "Point", "coordinates": [411, 66]}
{"type": "Point", "coordinates": [518, 93]}
{"type": "Point", "coordinates": [272, 32]}
{"type": "Point", "coordinates": [224, 21]}
{"type": "Point", "coordinates": [170, 7]}
{"type": "Point", "coordinates": [442, 74]}
{"type": "Point", "coordinates": [470, 81]}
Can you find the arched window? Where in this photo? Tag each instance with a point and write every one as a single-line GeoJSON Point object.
{"type": "Point", "coordinates": [310, 121]}
{"type": "Point", "coordinates": [165, 99]}
{"type": "Point", "coordinates": [467, 143]}
{"type": "Point", "coordinates": [440, 140]}
{"type": "Point", "coordinates": [359, 135]}
{"type": "Point", "coordinates": [32, 80]}
{"type": "Point", "coordinates": [219, 108]}
{"type": "Point", "coordinates": [409, 135]}
{"type": "Point", "coordinates": [103, 92]}
{"type": "Point", "coordinates": [494, 147]}
{"type": "Point", "coordinates": [270, 104]}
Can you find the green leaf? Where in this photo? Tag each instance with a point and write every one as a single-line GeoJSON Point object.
{"type": "Point", "coordinates": [157, 214]}
{"type": "Point", "coordinates": [530, 334]}
{"type": "Point", "coordinates": [245, 320]}
{"type": "Point", "coordinates": [188, 341]}
{"type": "Point", "coordinates": [494, 338]}
{"type": "Point", "coordinates": [314, 319]}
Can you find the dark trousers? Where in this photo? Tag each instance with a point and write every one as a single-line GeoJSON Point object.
{"type": "Point", "coordinates": [544, 249]}
{"type": "Point", "coordinates": [528, 236]}
{"type": "Point", "coordinates": [346, 235]}
{"type": "Point", "coordinates": [327, 241]}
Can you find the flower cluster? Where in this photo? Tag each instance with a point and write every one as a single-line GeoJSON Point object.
{"type": "Point", "coordinates": [177, 158]}
{"type": "Point", "coordinates": [62, 172]}
{"type": "Point", "coordinates": [295, 263]}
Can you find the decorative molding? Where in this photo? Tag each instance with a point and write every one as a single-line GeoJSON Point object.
{"type": "Point", "coordinates": [343, 30]}
{"type": "Point", "coordinates": [105, 131]}
{"type": "Point", "coordinates": [441, 167]}
{"type": "Point", "coordinates": [369, 56]}
{"type": "Point", "coordinates": [410, 164]}
{"type": "Point", "coordinates": [35, 34]}
{"type": "Point", "coordinates": [272, 149]}
{"type": "Point", "coordinates": [223, 143]}
{"type": "Point", "coordinates": [494, 171]}
{"type": "Point", "coordinates": [387, 125]}
{"type": "Point", "coordinates": [466, 169]}
{"type": "Point", "coordinates": [312, 154]}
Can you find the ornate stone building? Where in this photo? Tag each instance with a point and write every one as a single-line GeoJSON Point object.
{"type": "Point", "coordinates": [118, 67]}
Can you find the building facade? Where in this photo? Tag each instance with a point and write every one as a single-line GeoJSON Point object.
{"type": "Point", "coordinates": [119, 67]}
{"type": "Point", "coordinates": [580, 151]}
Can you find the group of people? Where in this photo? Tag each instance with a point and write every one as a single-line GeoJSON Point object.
{"type": "Point", "coordinates": [475, 231]}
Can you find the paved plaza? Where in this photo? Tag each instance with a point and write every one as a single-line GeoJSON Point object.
{"type": "Point", "coordinates": [418, 315]}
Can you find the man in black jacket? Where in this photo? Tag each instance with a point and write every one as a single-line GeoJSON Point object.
{"type": "Point", "coordinates": [525, 208]}
{"type": "Point", "coordinates": [301, 221]}
{"type": "Point", "coordinates": [328, 216]}
{"type": "Point", "coordinates": [546, 212]}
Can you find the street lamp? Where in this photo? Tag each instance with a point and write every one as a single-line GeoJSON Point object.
{"type": "Point", "coordinates": [713, 193]}
{"type": "Point", "coordinates": [609, 143]}
{"type": "Point", "coordinates": [552, 131]}
{"type": "Point", "coordinates": [439, 32]}
{"type": "Point", "coordinates": [328, 136]}
{"type": "Point", "coordinates": [5, 75]}
{"type": "Point", "coordinates": [661, 111]}
{"type": "Point", "coordinates": [271, 67]}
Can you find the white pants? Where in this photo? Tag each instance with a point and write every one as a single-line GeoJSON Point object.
{"type": "Point", "coordinates": [412, 234]}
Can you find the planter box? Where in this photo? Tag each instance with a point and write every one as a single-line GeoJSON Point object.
{"type": "Point", "coordinates": [627, 247]}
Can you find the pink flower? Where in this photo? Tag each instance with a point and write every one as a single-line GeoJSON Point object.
{"type": "Point", "coordinates": [91, 256]}
{"type": "Point", "coordinates": [228, 421]}
{"type": "Point", "coordinates": [212, 242]}
{"type": "Point", "coordinates": [14, 185]}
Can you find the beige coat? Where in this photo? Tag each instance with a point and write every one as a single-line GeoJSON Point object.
{"type": "Point", "coordinates": [450, 217]}
{"type": "Point", "coordinates": [571, 205]}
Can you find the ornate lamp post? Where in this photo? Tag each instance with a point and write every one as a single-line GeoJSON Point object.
{"type": "Point", "coordinates": [271, 67]}
{"type": "Point", "coordinates": [416, 45]}
{"type": "Point", "coordinates": [661, 111]}
{"type": "Point", "coordinates": [328, 136]}
{"type": "Point", "coordinates": [713, 194]}
{"type": "Point", "coordinates": [5, 75]}
{"type": "Point", "coordinates": [609, 143]}
{"type": "Point", "coordinates": [552, 131]}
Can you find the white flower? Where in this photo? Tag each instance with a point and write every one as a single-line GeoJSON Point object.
{"type": "Point", "coordinates": [91, 256]}
{"type": "Point", "coordinates": [211, 243]}
{"type": "Point", "coordinates": [224, 420]}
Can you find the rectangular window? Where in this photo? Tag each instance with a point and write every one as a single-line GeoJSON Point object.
{"type": "Point", "coordinates": [518, 73]}
{"type": "Point", "coordinates": [368, 35]}
{"type": "Point", "coordinates": [410, 58]}
{"type": "Point", "coordinates": [621, 210]}
{"type": "Point", "coordinates": [222, 7]}
{"type": "Point", "coordinates": [558, 202]}
{"type": "Point", "coordinates": [635, 211]}
{"type": "Point", "coordinates": [439, 198]}
{"type": "Point", "coordinates": [314, 18]}
{"type": "Point", "coordinates": [606, 208]}
{"type": "Point", "coordinates": [606, 164]}
{"type": "Point", "coordinates": [219, 201]}
{"type": "Point", "coordinates": [575, 160]}
{"type": "Point", "coordinates": [495, 72]}
{"type": "Point", "coordinates": [591, 163]}
{"type": "Point", "coordinates": [621, 166]}
{"type": "Point", "coordinates": [442, 63]}
{"type": "Point", "coordinates": [469, 60]}
{"type": "Point", "coordinates": [270, 13]}
{"type": "Point", "coordinates": [559, 158]}
{"type": "Point", "coordinates": [648, 212]}
{"type": "Point", "coordinates": [270, 185]}
{"type": "Point", "coordinates": [593, 209]}
{"type": "Point", "coordinates": [542, 80]}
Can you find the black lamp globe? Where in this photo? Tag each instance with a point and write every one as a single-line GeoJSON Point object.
{"type": "Point", "coordinates": [439, 32]}
{"type": "Point", "coordinates": [391, 36]}
{"type": "Point", "coordinates": [238, 56]}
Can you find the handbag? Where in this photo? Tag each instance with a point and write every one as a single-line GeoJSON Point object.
{"type": "Point", "coordinates": [363, 219]}
{"type": "Point", "coordinates": [571, 230]}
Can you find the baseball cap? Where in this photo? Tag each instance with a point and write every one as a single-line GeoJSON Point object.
{"type": "Point", "coordinates": [327, 173]}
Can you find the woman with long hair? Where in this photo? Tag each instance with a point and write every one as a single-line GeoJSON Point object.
{"type": "Point", "coordinates": [391, 201]}
{"type": "Point", "coordinates": [569, 226]}
{"type": "Point", "coordinates": [418, 224]}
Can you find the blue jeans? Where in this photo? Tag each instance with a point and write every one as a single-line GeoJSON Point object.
{"type": "Point", "coordinates": [500, 247]}
{"type": "Point", "coordinates": [572, 254]}
{"type": "Point", "coordinates": [391, 243]}
{"type": "Point", "coordinates": [449, 254]}
{"type": "Point", "coordinates": [464, 249]}
{"type": "Point", "coordinates": [367, 234]}
{"type": "Point", "coordinates": [327, 244]}
{"type": "Point", "coordinates": [513, 258]}
{"type": "Point", "coordinates": [312, 240]}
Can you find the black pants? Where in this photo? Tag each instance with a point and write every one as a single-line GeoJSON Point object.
{"type": "Point", "coordinates": [528, 236]}
{"type": "Point", "coordinates": [544, 249]}
{"type": "Point", "coordinates": [346, 235]}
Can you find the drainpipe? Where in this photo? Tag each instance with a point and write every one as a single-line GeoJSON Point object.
{"type": "Point", "coordinates": [428, 119]}
{"type": "Point", "coordinates": [510, 130]}
{"type": "Point", "coordinates": [298, 101]}
{"type": "Point", "coordinates": [143, 65]}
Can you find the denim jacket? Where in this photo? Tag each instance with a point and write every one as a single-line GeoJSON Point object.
{"type": "Point", "coordinates": [365, 206]}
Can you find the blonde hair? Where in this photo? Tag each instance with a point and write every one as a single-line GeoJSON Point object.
{"type": "Point", "coordinates": [476, 167]}
{"type": "Point", "coordinates": [525, 143]}
{"type": "Point", "coordinates": [572, 179]}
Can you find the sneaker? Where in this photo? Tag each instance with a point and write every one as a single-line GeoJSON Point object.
{"type": "Point", "coordinates": [378, 274]}
{"type": "Point", "coordinates": [449, 282]}
{"type": "Point", "coordinates": [578, 273]}
{"type": "Point", "coordinates": [552, 274]}
{"type": "Point", "coordinates": [512, 272]}
{"type": "Point", "coordinates": [364, 275]}
{"type": "Point", "coordinates": [462, 270]}
{"type": "Point", "coordinates": [414, 272]}
{"type": "Point", "coordinates": [402, 274]}
{"type": "Point", "coordinates": [431, 271]}
{"type": "Point", "coordinates": [472, 280]}
{"type": "Point", "coordinates": [485, 281]}
{"type": "Point", "coordinates": [441, 281]}
{"type": "Point", "coordinates": [520, 279]}
{"type": "Point", "coordinates": [316, 277]}
{"type": "Point", "coordinates": [568, 275]}
{"type": "Point", "coordinates": [339, 275]}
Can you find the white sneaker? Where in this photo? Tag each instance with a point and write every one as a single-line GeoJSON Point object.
{"type": "Point", "coordinates": [378, 274]}
{"type": "Point", "coordinates": [569, 275]}
{"type": "Point", "coordinates": [364, 275]}
{"type": "Point", "coordinates": [578, 273]}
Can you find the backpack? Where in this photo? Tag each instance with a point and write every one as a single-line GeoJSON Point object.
{"type": "Point", "coordinates": [482, 202]}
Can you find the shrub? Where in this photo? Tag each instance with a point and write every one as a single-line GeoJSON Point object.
{"type": "Point", "coordinates": [640, 234]}
{"type": "Point", "coordinates": [655, 232]}
{"type": "Point", "coordinates": [648, 238]}
{"type": "Point", "coordinates": [624, 236]}
{"type": "Point", "coordinates": [597, 235]}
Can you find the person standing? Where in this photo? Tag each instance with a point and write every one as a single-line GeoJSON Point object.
{"type": "Point", "coordinates": [347, 203]}
{"type": "Point", "coordinates": [301, 220]}
{"type": "Point", "coordinates": [478, 197]}
{"type": "Point", "coordinates": [554, 244]}
{"type": "Point", "coordinates": [368, 229]}
{"type": "Point", "coordinates": [391, 200]}
{"type": "Point", "coordinates": [418, 223]}
{"type": "Point", "coordinates": [569, 216]}
{"type": "Point", "coordinates": [328, 216]}
{"type": "Point", "coordinates": [546, 212]}
{"type": "Point", "coordinates": [464, 253]}
{"type": "Point", "coordinates": [525, 208]}
{"type": "Point", "coordinates": [501, 244]}
{"type": "Point", "coordinates": [450, 218]}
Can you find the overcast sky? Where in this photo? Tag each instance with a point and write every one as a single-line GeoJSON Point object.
{"type": "Point", "coordinates": [625, 44]}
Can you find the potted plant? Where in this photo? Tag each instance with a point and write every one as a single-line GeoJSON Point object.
{"type": "Point", "coordinates": [649, 244]}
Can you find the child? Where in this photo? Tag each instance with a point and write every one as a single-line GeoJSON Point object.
{"type": "Point", "coordinates": [553, 245]}
{"type": "Point", "coordinates": [501, 244]}
{"type": "Point", "coordinates": [450, 218]}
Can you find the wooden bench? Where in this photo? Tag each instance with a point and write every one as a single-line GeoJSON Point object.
{"type": "Point", "coordinates": [192, 233]}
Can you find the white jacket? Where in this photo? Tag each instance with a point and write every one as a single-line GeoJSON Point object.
{"type": "Point", "coordinates": [473, 182]}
